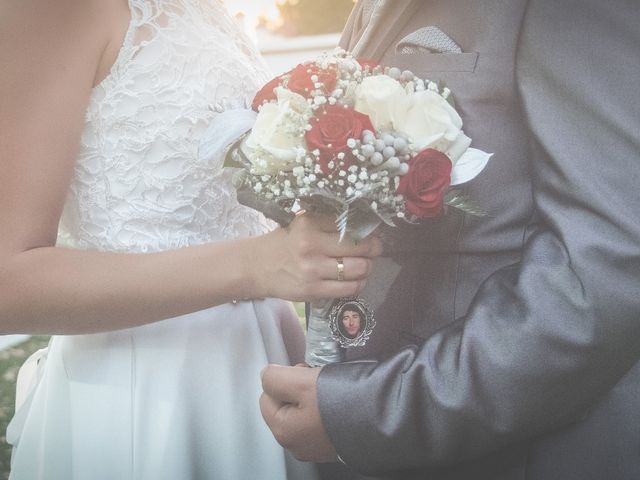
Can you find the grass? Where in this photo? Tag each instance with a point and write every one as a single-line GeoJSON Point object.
{"type": "Point", "coordinates": [300, 312]}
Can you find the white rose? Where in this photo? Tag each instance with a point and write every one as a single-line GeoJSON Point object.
{"type": "Point", "coordinates": [277, 138]}
{"type": "Point", "coordinates": [383, 99]}
{"type": "Point", "coordinates": [431, 122]}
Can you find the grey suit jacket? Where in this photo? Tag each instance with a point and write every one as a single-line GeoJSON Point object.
{"type": "Point", "coordinates": [508, 346]}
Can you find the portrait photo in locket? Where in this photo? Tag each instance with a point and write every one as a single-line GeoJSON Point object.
{"type": "Point", "coordinates": [351, 322]}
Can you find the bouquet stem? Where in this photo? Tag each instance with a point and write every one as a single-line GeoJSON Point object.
{"type": "Point", "coordinates": [321, 348]}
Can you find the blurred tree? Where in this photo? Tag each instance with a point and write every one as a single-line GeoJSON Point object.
{"type": "Point", "coordinates": [313, 17]}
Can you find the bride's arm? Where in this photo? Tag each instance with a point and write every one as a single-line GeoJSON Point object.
{"type": "Point", "coordinates": [50, 54]}
{"type": "Point", "coordinates": [47, 289]}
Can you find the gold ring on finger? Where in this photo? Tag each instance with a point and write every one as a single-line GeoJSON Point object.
{"type": "Point", "coordinates": [340, 265]}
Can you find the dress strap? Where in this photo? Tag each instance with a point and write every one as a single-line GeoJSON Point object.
{"type": "Point", "coordinates": [127, 49]}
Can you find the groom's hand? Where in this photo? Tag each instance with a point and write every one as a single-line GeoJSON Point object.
{"type": "Point", "coordinates": [290, 408]}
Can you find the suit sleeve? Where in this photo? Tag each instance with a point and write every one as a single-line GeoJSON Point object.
{"type": "Point", "coordinates": [545, 339]}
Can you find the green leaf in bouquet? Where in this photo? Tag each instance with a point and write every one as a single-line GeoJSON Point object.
{"type": "Point", "coordinates": [460, 201]}
{"type": "Point", "coordinates": [322, 201]}
{"type": "Point", "coordinates": [362, 219]}
{"type": "Point", "coordinates": [240, 179]}
{"type": "Point", "coordinates": [235, 158]}
{"type": "Point", "coordinates": [358, 222]}
{"type": "Point", "coordinates": [269, 208]}
{"type": "Point", "coordinates": [354, 217]}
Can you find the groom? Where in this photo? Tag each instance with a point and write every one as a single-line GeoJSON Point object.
{"type": "Point", "coordinates": [508, 346]}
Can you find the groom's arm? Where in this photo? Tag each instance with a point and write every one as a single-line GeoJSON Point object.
{"type": "Point", "coordinates": [545, 339]}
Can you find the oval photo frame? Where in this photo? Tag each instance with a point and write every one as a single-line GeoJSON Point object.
{"type": "Point", "coordinates": [351, 322]}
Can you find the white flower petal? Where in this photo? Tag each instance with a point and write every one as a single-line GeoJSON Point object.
{"type": "Point", "coordinates": [469, 166]}
{"type": "Point", "coordinates": [458, 148]}
{"type": "Point", "coordinates": [381, 98]}
{"type": "Point", "coordinates": [224, 129]}
{"type": "Point", "coordinates": [276, 141]}
{"type": "Point", "coordinates": [429, 121]}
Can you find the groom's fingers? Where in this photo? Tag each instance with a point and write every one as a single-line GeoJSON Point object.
{"type": "Point", "coordinates": [284, 384]}
{"type": "Point", "coordinates": [269, 408]}
{"type": "Point", "coordinates": [277, 417]}
{"type": "Point", "coordinates": [280, 383]}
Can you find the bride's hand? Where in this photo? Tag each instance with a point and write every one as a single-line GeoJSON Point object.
{"type": "Point", "coordinates": [300, 262]}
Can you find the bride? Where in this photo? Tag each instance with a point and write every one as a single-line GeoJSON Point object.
{"type": "Point", "coordinates": [119, 240]}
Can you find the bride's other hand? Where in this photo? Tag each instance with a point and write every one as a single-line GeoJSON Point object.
{"type": "Point", "coordinates": [301, 262]}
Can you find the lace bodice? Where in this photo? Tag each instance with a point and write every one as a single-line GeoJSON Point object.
{"type": "Point", "coordinates": [138, 184]}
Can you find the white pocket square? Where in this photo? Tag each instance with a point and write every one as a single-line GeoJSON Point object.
{"type": "Point", "coordinates": [427, 40]}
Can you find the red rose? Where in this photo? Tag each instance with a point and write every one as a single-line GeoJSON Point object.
{"type": "Point", "coordinates": [266, 93]}
{"type": "Point", "coordinates": [330, 131]}
{"type": "Point", "coordinates": [424, 186]}
{"type": "Point", "coordinates": [301, 83]}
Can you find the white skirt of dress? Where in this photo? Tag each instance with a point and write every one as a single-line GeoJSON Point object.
{"type": "Point", "coordinates": [175, 400]}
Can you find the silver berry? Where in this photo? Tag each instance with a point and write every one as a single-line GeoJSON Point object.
{"type": "Point", "coordinates": [377, 159]}
{"type": "Point", "coordinates": [389, 152]}
{"type": "Point", "coordinates": [379, 145]}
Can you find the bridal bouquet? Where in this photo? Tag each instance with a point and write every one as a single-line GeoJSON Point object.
{"type": "Point", "coordinates": [369, 144]}
{"type": "Point", "coordinates": [351, 138]}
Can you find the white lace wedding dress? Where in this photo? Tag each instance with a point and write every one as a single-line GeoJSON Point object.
{"type": "Point", "coordinates": [177, 399]}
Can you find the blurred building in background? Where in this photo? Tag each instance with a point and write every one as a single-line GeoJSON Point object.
{"type": "Point", "coordinates": [288, 32]}
{"type": "Point", "coordinates": [283, 53]}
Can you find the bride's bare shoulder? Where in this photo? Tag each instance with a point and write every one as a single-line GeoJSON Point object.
{"type": "Point", "coordinates": [59, 26]}
{"type": "Point", "coordinates": [51, 52]}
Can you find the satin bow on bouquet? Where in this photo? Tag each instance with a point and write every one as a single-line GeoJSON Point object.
{"type": "Point", "coordinates": [365, 143]}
